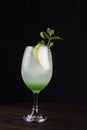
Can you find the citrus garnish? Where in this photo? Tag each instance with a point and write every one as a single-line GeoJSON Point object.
{"type": "Point", "coordinates": [35, 52]}
{"type": "Point", "coordinates": [41, 56]}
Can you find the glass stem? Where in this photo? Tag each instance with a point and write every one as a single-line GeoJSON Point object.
{"type": "Point", "coordinates": [35, 103]}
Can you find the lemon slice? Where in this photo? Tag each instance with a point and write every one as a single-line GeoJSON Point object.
{"type": "Point", "coordinates": [41, 56]}
{"type": "Point", "coordinates": [35, 52]}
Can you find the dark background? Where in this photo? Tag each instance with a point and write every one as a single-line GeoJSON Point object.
{"type": "Point", "coordinates": [20, 24]}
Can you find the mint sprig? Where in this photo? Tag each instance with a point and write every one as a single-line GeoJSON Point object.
{"type": "Point", "coordinates": [49, 36]}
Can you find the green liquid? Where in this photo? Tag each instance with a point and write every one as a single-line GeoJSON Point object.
{"type": "Point", "coordinates": [36, 88]}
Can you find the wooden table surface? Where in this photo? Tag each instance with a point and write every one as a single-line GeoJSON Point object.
{"type": "Point", "coordinates": [60, 117]}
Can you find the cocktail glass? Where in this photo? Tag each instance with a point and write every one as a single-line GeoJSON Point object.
{"type": "Point", "coordinates": [36, 78]}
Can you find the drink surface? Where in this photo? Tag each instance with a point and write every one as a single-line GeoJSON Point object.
{"type": "Point", "coordinates": [34, 76]}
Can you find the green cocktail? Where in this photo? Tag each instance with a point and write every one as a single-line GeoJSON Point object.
{"type": "Point", "coordinates": [36, 76]}
{"type": "Point", "coordinates": [36, 70]}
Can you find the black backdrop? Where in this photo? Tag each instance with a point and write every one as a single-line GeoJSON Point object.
{"type": "Point", "coordinates": [20, 25]}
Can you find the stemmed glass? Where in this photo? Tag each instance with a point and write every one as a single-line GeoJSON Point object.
{"type": "Point", "coordinates": [36, 79]}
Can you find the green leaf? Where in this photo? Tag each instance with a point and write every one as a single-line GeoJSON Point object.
{"type": "Point", "coordinates": [56, 38]}
{"type": "Point", "coordinates": [50, 31]}
{"type": "Point", "coordinates": [49, 37]}
{"type": "Point", "coordinates": [41, 42]}
{"type": "Point", "coordinates": [44, 35]}
{"type": "Point", "coordinates": [51, 44]}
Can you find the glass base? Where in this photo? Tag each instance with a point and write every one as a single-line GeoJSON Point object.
{"type": "Point", "coordinates": [34, 118]}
